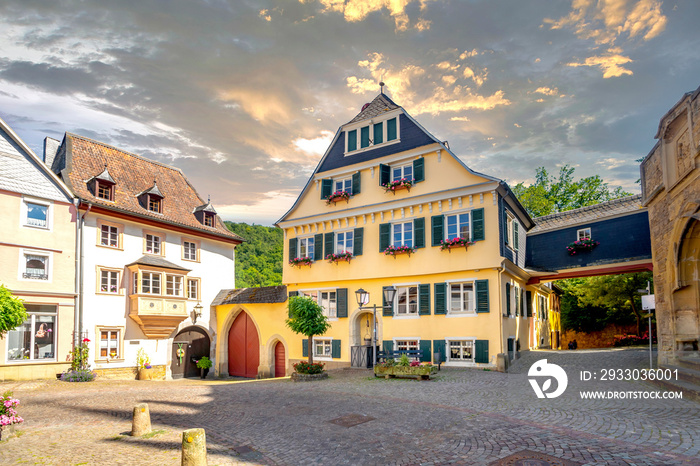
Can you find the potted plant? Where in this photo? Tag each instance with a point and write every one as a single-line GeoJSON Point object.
{"type": "Point", "coordinates": [455, 243]}
{"type": "Point", "coordinates": [394, 250]}
{"type": "Point", "coordinates": [143, 363]}
{"type": "Point", "coordinates": [306, 317]}
{"type": "Point", "coordinates": [300, 261]}
{"type": "Point", "coordinates": [337, 197]}
{"type": "Point", "coordinates": [341, 256]}
{"type": "Point", "coordinates": [585, 244]}
{"type": "Point", "coordinates": [203, 364]}
{"type": "Point", "coordinates": [393, 186]}
{"type": "Point", "coordinates": [405, 368]}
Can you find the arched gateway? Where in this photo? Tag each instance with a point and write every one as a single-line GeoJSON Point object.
{"type": "Point", "coordinates": [243, 347]}
{"type": "Point", "coordinates": [189, 345]}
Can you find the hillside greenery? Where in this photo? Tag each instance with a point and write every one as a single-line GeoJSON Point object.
{"type": "Point", "coordinates": [259, 258]}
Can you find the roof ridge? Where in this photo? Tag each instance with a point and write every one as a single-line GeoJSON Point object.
{"type": "Point", "coordinates": [619, 200]}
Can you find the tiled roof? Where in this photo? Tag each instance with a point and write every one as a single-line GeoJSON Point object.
{"type": "Point", "coordinates": [261, 295]}
{"type": "Point", "coordinates": [588, 214]}
{"type": "Point", "coordinates": [156, 261]}
{"type": "Point", "coordinates": [379, 105]}
{"type": "Point", "coordinates": [133, 175]}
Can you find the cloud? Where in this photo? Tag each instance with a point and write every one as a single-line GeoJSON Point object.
{"type": "Point", "coordinates": [358, 10]}
{"type": "Point", "coordinates": [465, 119]}
{"type": "Point", "coordinates": [611, 64]}
{"type": "Point", "coordinates": [458, 100]}
{"type": "Point", "coordinates": [547, 91]}
{"type": "Point", "coordinates": [315, 146]}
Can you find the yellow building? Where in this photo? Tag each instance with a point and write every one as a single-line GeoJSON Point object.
{"type": "Point", "coordinates": [37, 262]}
{"type": "Point", "coordinates": [389, 205]}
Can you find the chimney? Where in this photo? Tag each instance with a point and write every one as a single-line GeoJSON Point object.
{"type": "Point", "coordinates": [51, 146]}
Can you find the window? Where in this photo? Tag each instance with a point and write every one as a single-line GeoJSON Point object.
{"type": "Point", "coordinates": [405, 345]}
{"type": "Point", "coordinates": [36, 214]}
{"type": "Point", "coordinates": [109, 343]}
{"type": "Point", "coordinates": [542, 307]}
{"type": "Point", "coordinates": [189, 251]}
{"type": "Point", "coordinates": [322, 348]}
{"type": "Point", "coordinates": [104, 191]}
{"type": "Point", "coordinates": [391, 129]}
{"type": "Point", "coordinates": [509, 229]}
{"type": "Point", "coordinates": [326, 299]}
{"type": "Point", "coordinates": [407, 300]}
{"type": "Point", "coordinates": [403, 234]}
{"type": "Point", "coordinates": [135, 284]}
{"type": "Point", "coordinates": [458, 226]}
{"type": "Point", "coordinates": [343, 185]}
{"type": "Point", "coordinates": [109, 281]}
{"type": "Point", "coordinates": [462, 297]}
{"type": "Point", "coordinates": [109, 236]}
{"type": "Point", "coordinates": [208, 220]}
{"type": "Point", "coordinates": [306, 247]}
{"type": "Point", "coordinates": [192, 288]}
{"type": "Point", "coordinates": [352, 140]}
{"type": "Point", "coordinates": [404, 171]}
{"type": "Point", "coordinates": [461, 350]}
{"type": "Point", "coordinates": [153, 244]}
{"type": "Point", "coordinates": [173, 285]}
{"type": "Point", "coordinates": [364, 137]}
{"type": "Point", "coordinates": [371, 135]}
{"type": "Point", "coordinates": [343, 242]}
{"type": "Point", "coordinates": [378, 133]}
{"type": "Point", "coordinates": [150, 283]}
{"type": "Point", "coordinates": [36, 266]}
{"type": "Point", "coordinates": [585, 233]}
{"type": "Point", "coordinates": [35, 339]}
{"type": "Point", "coordinates": [154, 204]}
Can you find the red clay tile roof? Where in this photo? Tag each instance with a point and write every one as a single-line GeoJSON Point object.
{"type": "Point", "coordinates": [84, 158]}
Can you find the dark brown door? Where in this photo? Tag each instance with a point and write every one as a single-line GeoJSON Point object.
{"type": "Point", "coordinates": [195, 344]}
{"type": "Point", "coordinates": [243, 347]}
{"type": "Point", "coordinates": [279, 360]}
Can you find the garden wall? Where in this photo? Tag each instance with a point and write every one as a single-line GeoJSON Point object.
{"type": "Point", "coordinates": [598, 339]}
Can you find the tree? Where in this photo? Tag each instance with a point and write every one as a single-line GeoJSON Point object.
{"type": "Point", "coordinates": [550, 195]}
{"type": "Point", "coordinates": [306, 317]}
{"type": "Point", "coordinates": [12, 311]}
{"type": "Point", "coordinates": [259, 258]}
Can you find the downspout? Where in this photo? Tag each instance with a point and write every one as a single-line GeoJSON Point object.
{"type": "Point", "coordinates": [500, 307]}
{"type": "Point", "coordinates": [82, 258]}
{"type": "Point", "coordinates": [76, 286]}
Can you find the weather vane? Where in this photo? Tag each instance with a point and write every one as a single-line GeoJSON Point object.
{"type": "Point", "coordinates": [381, 87]}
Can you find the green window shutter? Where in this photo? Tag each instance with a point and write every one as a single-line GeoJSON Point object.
{"type": "Point", "coordinates": [440, 298]}
{"type": "Point", "coordinates": [328, 244]}
{"type": "Point", "coordinates": [478, 225]}
{"type": "Point", "coordinates": [507, 299]}
{"type": "Point", "coordinates": [523, 310]}
{"type": "Point", "coordinates": [341, 304]}
{"type": "Point", "coordinates": [388, 345]}
{"type": "Point", "coordinates": [305, 347]}
{"type": "Point", "coordinates": [318, 247]}
{"type": "Point", "coordinates": [292, 248]}
{"type": "Point", "coordinates": [419, 170]}
{"type": "Point", "coordinates": [424, 300]}
{"type": "Point", "coordinates": [378, 133]}
{"type": "Point", "coordinates": [505, 227]}
{"type": "Point", "coordinates": [528, 304]}
{"type": "Point", "coordinates": [482, 296]}
{"type": "Point", "coordinates": [391, 129]}
{"type": "Point", "coordinates": [439, 348]}
{"type": "Point", "coordinates": [481, 350]}
{"type": "Point", "coordinates": [291, 294]}
{"type": "Point", "coordinates": [335, 349]}
{"type": "Point", "coordinates": [352, 140]}
{"type": "Point", "coordinates": [384, 174]}
{"type": "Point", "coordinates": [384, 236]}
{"type": "Point", "coordinates": [419, 232]}
{"type": "Point", "coordinates": [387, 311]}
{"type": "Point", "coordinates": [517, 303]}
{"type": "Point", "coordinates": [356, 183]}
{"type": "Point", "coordinates": [425, 351]}
{"type": "Point", "coordinates": [437, 222]}
{"type": "Point", "coordinates": [515, 234]}
{"type": "Point", "coordinates": [364, 137]}
{"type": "Point", "coordinates": [359, 234]}
{"type": "Point", "coordinates": [326, 188]}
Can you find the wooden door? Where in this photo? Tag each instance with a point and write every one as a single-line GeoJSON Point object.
{"type": "Point", "coordinates": [195, 343]}
{"type": "Point", "coordinates": [280, 363]}
{"type": "Point", "coordinates": [243, 347]}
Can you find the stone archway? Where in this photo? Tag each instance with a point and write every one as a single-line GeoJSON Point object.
{"type": "Point", "coordinates": [194, 343]}
{"type": "Point", "coordinates": [362, 329]}
{"type": "Point", "coordinates": [686, 298]}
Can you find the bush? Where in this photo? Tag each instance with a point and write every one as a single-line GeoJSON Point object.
{"type": "Point", "coordinates": [204, 363]}
{"type": "Point", "coordinates": [81, 375]}
{"type": "Point", "coordinates": [304, 367]}
{"type": "Point", "coordinates": [404, 361]}
{"type": "Point", "coordinates": [8, 415]}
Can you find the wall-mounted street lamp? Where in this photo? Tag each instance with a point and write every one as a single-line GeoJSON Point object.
{"type": "Point", "coordinates": [197, 312]}
{"type": "Point", "coordinates": [363, 300]}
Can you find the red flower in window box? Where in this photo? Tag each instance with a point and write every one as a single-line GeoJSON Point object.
{"type": "Point", "coordinates": [337, 197]}
{"type": "Point", "coordinates": [341, 256]}
{"type": "Point", "coordinates": [455, 243]}
{"type": "Point", "coordinates": [394, 250]}
{"type": "Point", "coordinates": [300, 261]}
{"type": "Point", "coordinates": [403, 183]}
{"type": "Point", "coordinates": [585, 244]}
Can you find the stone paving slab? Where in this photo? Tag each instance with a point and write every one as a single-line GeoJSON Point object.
{"type": "Point", "coordinates": [463, 416]}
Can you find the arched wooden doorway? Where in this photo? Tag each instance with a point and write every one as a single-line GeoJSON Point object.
{"type": "Point", "coordinates": [194, 343]}
{"type": "Point", "coordinates": [280, 361]}
{"type": "Point", "coordinates": [243, 347]}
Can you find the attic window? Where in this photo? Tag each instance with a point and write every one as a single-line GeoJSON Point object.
{"type": "Point", "coordinates": [371, 135]}
{"type": "Point", "coordinates": [208, 219]}
{"type": "Point", "coordinates": [102, 185]}
{"type": "Point", "coordinates": [152, 199]}
{"type": "Point", "coordinates": [104, 191]}
{"type": "Point", "coordinates": [155, 204]}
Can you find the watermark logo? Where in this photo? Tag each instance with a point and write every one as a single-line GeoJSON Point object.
{"type": "Point", "coordinates": [551, 371]}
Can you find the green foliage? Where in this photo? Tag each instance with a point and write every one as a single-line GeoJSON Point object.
{"type": "Point", "coordinates": [143, 360]}
{"type": "Point", "coordinates": [80, 357]}
{"type": "Point", "coordinates": [551, 195]}
{"type": "Point", "coordinates": [204, 363]}
{"type": "Point", "coordinates": [80, 375]}
{"type": "Point", "coordinates": [404, 361]}
{"type": "Point", "coordinates": [309, 368]}
{"type": "Point", "coordinates": [306, 318]}
{"type": "Point", "coordinates": [12, 311]}
{"type": "Point", "coordinates": [259, 258]}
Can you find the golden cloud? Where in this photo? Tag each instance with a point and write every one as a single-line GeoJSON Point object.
{"type": "Point", "coordinates": [610, 64]}
{"type": "Point", "coordinates": [459, 100]}
{"type": "Point", "coordinates": [262, 106]}
{"type": "Point", "coordinates": [546, 91]}
{"type": "Point", "coordinates": [358, 10]}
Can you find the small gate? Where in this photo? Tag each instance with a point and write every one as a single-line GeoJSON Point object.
{"type": "Point", "coordinates": [361, 356]}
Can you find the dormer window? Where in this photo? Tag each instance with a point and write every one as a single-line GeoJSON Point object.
{"type": "Point", "coordinates": [102, 185]}
{"type": "Point", "coordinates": [152, 199]}
{"type": "Point", "coordinates": [104, 191]}
{"type": "Point", "coordinates": [154, 204]}
{"type": "Point", "coordinates": [371, 134]}
{"type": "Point", "coordinates": [208, 220]}
{"type": "Point", "coordinates": [205, 214]}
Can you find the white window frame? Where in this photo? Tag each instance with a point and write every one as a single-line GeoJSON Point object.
{"type": "Point", "coordinates": [31, 317]}
{"type": "Point", "coordinates": [403, 233]}
{"type": "Point", "coordinates": [397, 340]}
{"type": "Point", "coordinates": [119, 331]}
{"type": "Point", "coordinates": [109, 271]}
{"type": "Point", "coordinates": [156, 241]}
{"type": "Point", "coordinates": [316, 295]}
{"type": "Point", "coordinates": [407, 287]}
{"type": "Point", "coordinates": [187, 251]}
{"type": "Point", "coordinates": [374, 121]}
{"type": "Point", "coordinates": [583, 233]}
{"type": "Point", "coordinates": [459, 362]}
{"type": "Point", "coordinates": [511, 230]}
{"type": "Point", "coordinates": [24, 217]}
{"type": "Point", "coordinates": [323, 357]}
{"type": "Point", "coordinates": [345, 241]}
{"type": "Point", "coordinates": [343, 182]}
{"type": "Point", "coordinates": [401, 167]}
{"type": "Point", "coordinates": [22, 268]}
{"type": "Point", "coordinates": [110, 228]}
{"type": "Point", "coordinates": [461, 312]}
{"type": "Point", "coordinates": [150, 282]}
{"type": "Point", "coordinates": [198, 284]}
{"type": "Point", "coordinates": [303, 243]}
{"type": "Point", "coordinates": [176, 283]}
{"type": "Point", "coordinates": [457, 214]}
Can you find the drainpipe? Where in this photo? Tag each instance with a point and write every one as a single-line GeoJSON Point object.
{"type": "Point", "coordinates": [500, 307]}
{"type": "Point", "coordinates": [82, 258]}
{"type": "Point", "coordinates": [76, 285]}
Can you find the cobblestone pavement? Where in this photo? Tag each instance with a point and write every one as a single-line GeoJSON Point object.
{"type": "Point", "coordinates": [463, 416]}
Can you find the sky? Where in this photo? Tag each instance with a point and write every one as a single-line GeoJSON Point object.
{"type": "Point", "coordinates": [245, 96]}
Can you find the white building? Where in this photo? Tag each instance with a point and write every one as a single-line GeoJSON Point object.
{"type": "Point", "coordinates": [152, 252]}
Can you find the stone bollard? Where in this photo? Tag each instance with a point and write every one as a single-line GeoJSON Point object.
{"type": "Point", "coordinates": [194, 448]}
{"type": "Point", "coordinates": [141, 423]}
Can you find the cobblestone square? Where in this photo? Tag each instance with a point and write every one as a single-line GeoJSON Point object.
{"type": "Point", "coordinates": [463, 416]}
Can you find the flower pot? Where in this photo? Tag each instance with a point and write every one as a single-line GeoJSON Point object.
{"type": "Point", "coordinates": [203, 373]}
{"type": "Point", "coordinates": [297, 377]}
{"type": "Point", "coordinates": [145, 374]}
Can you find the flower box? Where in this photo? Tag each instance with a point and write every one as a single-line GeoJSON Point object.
{"type": "Point", "coordinates": [340, 257]}
{"type": "Point", "coordinates": [415, 372]}
{"type": "Point", "coordinates": [145, 374]}
{"type": "Point", "coordinates": [455, 243]}
{"type": "Point", "coordinates": [300, 261]}
{"type": "Point", "coordinates": [338, 196]}
{"type": "Point", "coordinates": [395, 250]}
{"type": "Point", "coordinates": [393, 186]}
{"type": "Point", "coordinates": [581, 245]}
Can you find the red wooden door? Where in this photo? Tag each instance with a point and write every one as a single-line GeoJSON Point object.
{"type": "Point", "coordinates": [243, 347]}
{"type": "Point", "coordinates": [279, 360]}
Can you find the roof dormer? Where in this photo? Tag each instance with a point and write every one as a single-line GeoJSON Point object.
{"type": "Point", "coordinates": [102, 185]}
{"type": "Point", "coordinates": [377, 124]}
{"type": "Point", "coordinates": [152, 199]}
{"type": "Point", "coordinates": [205, 214]}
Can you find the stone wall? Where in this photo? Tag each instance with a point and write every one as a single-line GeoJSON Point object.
{"type": "Point", "coordinates": [600, 339]}
{"type": "Point", "coordinates": [129, 373]}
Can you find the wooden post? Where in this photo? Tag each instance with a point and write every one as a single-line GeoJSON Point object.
{"type": "Point", "coordinates": [141, 423]}
{"type": "Point", "coordinates": [194, 448]}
